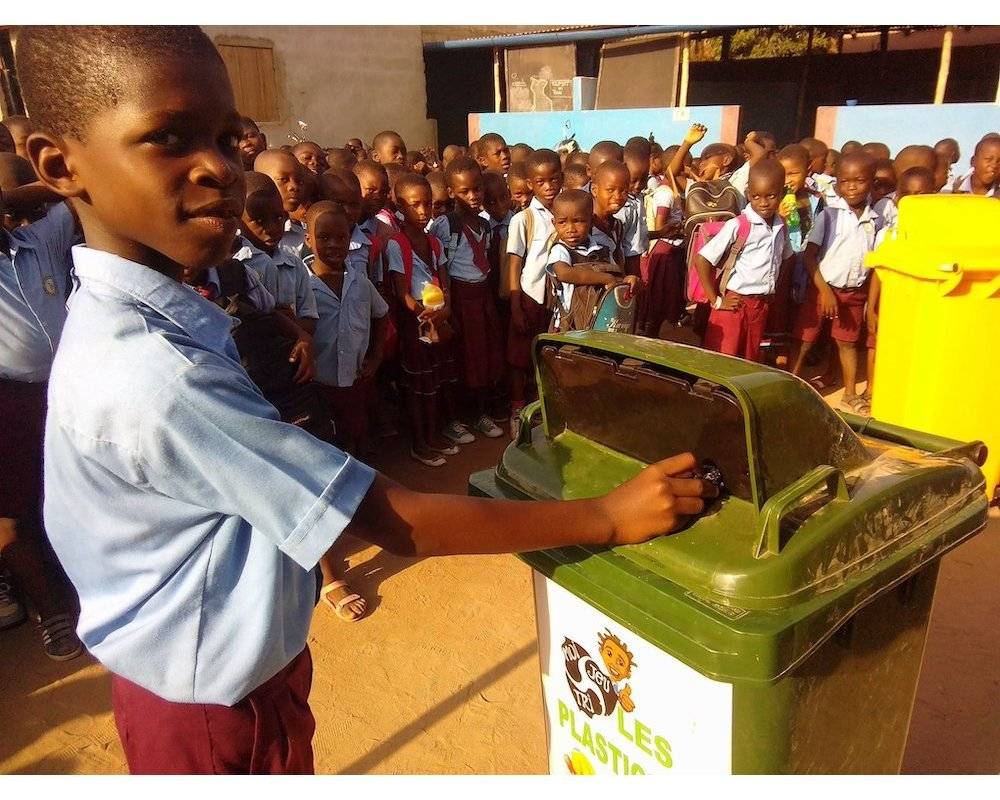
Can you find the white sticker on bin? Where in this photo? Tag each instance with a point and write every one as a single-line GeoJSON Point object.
{"type": "Point", "coordinates": [616, 704]}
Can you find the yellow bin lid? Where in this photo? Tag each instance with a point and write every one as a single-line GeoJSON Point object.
{"type": "Point", "coordinates": [940, 235]}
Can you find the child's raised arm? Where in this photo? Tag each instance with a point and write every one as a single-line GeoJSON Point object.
{"type": "Point", "coordinates": [694, 135]}
{"type": "Point", "coordinates": [415, 524]}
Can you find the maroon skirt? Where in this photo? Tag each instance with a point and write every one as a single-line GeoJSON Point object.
{"type": "Point", "coordinates": [22, 434]}
{"type": "Point", "coordinates": [662, 272]}
{"type": "Point", "coordinates": [267, 732]}
{"type": "Point", "coordinates": [479, 341]}
{"type": "Point", "coordinates": [425, 368]}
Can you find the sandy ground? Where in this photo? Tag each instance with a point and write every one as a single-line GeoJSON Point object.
{"type": "Point", "coordinates": [442, 676]}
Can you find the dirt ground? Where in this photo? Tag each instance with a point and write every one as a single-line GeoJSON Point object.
{"type": "Point", "coordinates": [442, 675]}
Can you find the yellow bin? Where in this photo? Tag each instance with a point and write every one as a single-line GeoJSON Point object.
{"type": "Point", "coordinates": [937, 363]}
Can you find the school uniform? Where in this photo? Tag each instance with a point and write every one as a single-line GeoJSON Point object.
{"type": "Point", "coordinates": [294, 240]}
{"type": "Point", "coordinates": [256, 294]}
{"type": "Point", "coordinates": [662, 267]}
{"type": "Point", "coordinates": [291, 278]}
{"type": "Point", "coordinates": [739, 179]}
{"type": "Point", "coordinates": [635, 234]}
{"type": "Point", "coordinates": [260, 262]}
{"type": "Point", "coordinates": [532, 294]}
{"type": "Point", "coordinates": [754, 280]}
{"type": "Point", "coordinates": [824, 184]}
{"type": "Point", "coordinates": [391, 219]}
{"type": "Point", "coordinates": [963, 185]}
{"type": "Point", "coordinates": [364, 252]}
{"type": "Point", "coordinates": [474, 316]}
{"type": "Point", "coordinates": [35, 281]}
{"type": "Point", "coordinates": [843, 239]}
{"type": "Point", "coordinates": [562, 253]}
{"type": "Point", "coordinates": [191, 521]}
{"type": "Point", "coordinates": [887, 209]}
{"type": "Point", "coordinates": [425, 367]}
{"type": "Point", "coordinates": [340, 343]}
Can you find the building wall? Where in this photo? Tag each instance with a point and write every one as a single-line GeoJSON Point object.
{"type": "Point", "coordinates": [343, 81]}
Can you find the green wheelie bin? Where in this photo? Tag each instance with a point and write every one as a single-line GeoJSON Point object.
{"type": "Point", "coordinates": [779, 632]}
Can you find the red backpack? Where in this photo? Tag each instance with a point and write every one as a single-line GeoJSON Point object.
{"type": "Point", "coordinates": [701, 234]}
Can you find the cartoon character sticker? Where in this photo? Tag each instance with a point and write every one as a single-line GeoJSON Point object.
{"type": "Point", "coordinates": [595, 691]}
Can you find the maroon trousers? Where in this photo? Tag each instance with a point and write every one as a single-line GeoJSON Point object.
{"type": "Point", "coordinates": [267, 732]}
{"type": "Point", "coordinates": [739, 332]}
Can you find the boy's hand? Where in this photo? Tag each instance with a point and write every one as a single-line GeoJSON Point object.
{"type": "Point", "coordinates": [729, 303]}
{"type": "Point", "coordinates": [632, 281]}
{"type": "Point", "coordinates": [657, 500]}
{"type": "Point", "coordinates": [828, 303]}
{"type": "Point", "coordinates": [302, 353]}
{"type": "Point", "coordinates": [695, 134]}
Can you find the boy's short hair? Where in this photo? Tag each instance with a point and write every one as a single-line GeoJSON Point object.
{"type": "Point", "coordinates": [575, 198]}
{"type": "Point", "coordinates": [767, 169]}
{"type": "Point", "coordinates": [348, 176]}
{"type": "Point", "coordinates": [383, 136]}
{"type": "Point", "coordinates": [368, 167]}
{"type": "Point", "coordinates": [299, 145]}
{"type": "Point", "coordinates": [720, 149]}
{"type": "Point", "coordinates": [797, 153]}
{"type": "Point", "coordinates": [260, 183]}
{"type": "Point", "coordinates": [915, 155]}
{"type": "Point", "coordinates": [542, 157]}
{"type": "Point", "coordinates": [325, 207]}
{"type": "Point", "coordinates": [920, 173]}
{"type": "Point", "coordinates": [15, 171]}
{"type": "Point", "coordinates": [393, 171]}
{"type": "Point", "coordinates": [493, 184]}
{"type": "Point", "coordinates": [437, 181]}
{"type": "Point", "coordinates": [883, 164]}
{"type": "Point", "coordinates": [581, 157]}
{"type": "Point", "coordinates": [877, 149]}
{"type": "Point", "coordinates": [814, 147]}
{"type": "Point", "coordinates": [638, 145]}
{"type": "Point", "coordinates": [473, 149]}
{"type": "Point", "coordinates": [71, 73]}
{"type": "Point", "coordinates": [518, 171]}
{"type": "Point", "coordinates": [616, 167]}
{"type": "Point", "coordinates": [494, 138]}
{"type": "Point", "coordinates": [577, 173]}
{"type": "Point", "coordinates": [247, 122]}
{"type": "Point", "coordinates": [520, 149]}
{"type": "Point", "coordinates": [409, 180]}
{"type": "Point", "coordinates": [857, 157]}
{"type": "Point", "coordinates": [459, 165]}
{"type": "Point", "coordinates": [989, 137]}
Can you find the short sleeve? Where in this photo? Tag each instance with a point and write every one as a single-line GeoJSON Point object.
{"type": "Point", "coordinates": [379, 307]}
{"type": "Point", "coordinates": [636, 237]}
{"type": "Point", "coordinates": [305, 300]}
{"type": "Point", "coordinates": [517, 233]}
{"type": "Point", "coordinates": [817, 235]}
{"type": "Point", "coordinates": [663, 197]}
{"type": "Point", "coordinates": [716, 247]}
{"type": "Point", "coordinates": [740, 179]}
{"type": "Point", "coordinates": [394, 256]}
{"type": "Point", "coordinates": [559, 254]}
{"type": "Point", "coordinates": [210, 439]}
{"type": "Point", "coordinates": [441, 229]}
{"type": "Point", "coordinates": [256, 292]}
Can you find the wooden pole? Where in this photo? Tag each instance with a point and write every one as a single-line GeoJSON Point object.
{"type": "Point", "coordinates": [685, 70]}
{"type": "Point", "coordinates": [998, 89]}
{"type": "Point", "coordinates": [496, 80]}
{"type": "Point", "coordinates": [942, 81]}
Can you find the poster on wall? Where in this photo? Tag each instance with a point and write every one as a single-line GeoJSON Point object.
{"type": "Point", "coordinates": [541, 78]}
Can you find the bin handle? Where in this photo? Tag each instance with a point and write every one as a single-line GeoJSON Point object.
{"type": "Point", "coordinates": [527, 414]}
{"type": "Point", "coordinates": [784, 502]}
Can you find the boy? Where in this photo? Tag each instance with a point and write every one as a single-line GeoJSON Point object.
{"type": "Point", "coordinates": [290, 178]}
{"type": "Point", "coordinates": [609, 187]}
{"type": "Point", "coordinates": [759, 145]}
{"type": "Point", "coordinates": [388, 147]}
{"type": "Point", "coordinates": [157, 442]}
{"type": "Point", "coordinates": [663, 266]}
{"type": "Point", "coordinates": [578, 265]}
{"type": "Point", "coordinates": [876, 150]}
{"type": "Point", "coordinates": [442, 202]}
{"type": "Point", "coordinates": [913, 155]}
{"type": "Point", "coordinates": [883, 185]}
{"type": "Point", "coordinates": [494, 155]}
{"type": "Point", "coordinates": [741, 299]}
{"type": "Point", "coordinates": [635, 236]}
{"type": "Point", "coordinates": [842, 234]}
{"type": "Point", "coordinates": [519, 152]}
{"type": "Point", "coordinates": [520, 186]}
{"type": "Point", "coordinates": [357, 147]}
{"type": "Point", "coordinates": [389, 215]}
{"type": "Point", "coordinates": [947, 153]}
{"type": "Point", "coordinates": [527, 247]}
{"type": "Point", "coordinates": [364, 254]}
{"type": "Point", "coordinates": [982, 180]}
{"type": "Point", "coordinates": [252, 142]}
{"type": "Point", "coordinates": [575, 176]}
{"type": "Point", "coordinates": [35, 281]}
{"type": "Point", "coordinates": [340, 158]}
{"type": "Point", "coordinates": [283, 274]}
{"type": "Point", "coordinates": [350, 334]}
{"type": "Point", "coordinates": [465, 238]}
{"type": "Point", "coordinates": [311, 156]}
{"type": "Point", "coordinates": [451, 152]}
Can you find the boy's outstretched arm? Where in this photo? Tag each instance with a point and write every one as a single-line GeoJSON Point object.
{"type": "Point", "coordinates": [694, 135]}
{"type": "Point", "coordinates": [409, 523]}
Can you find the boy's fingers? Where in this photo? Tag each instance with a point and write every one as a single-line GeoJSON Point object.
{"type": "Point", "coordinates": [692, 487]}
{"type": "Point", "coordinates": [686, 506]}
{"type": "Point", "coordinates": [675, 465]}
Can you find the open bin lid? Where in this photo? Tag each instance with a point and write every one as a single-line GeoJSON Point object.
{"type": "Point", "coordinates": [814, 509]}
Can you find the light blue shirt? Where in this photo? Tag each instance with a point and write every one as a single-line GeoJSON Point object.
{"type": "Point", "coordinates": [458, 250]}
{"type": "Point", "coordinates": [844, 239]}
{"type": "Point", "coordinates": [343, 331]}
{"type": "Point", "coordinates": [189, 518]}
{"type": "Point", "coordinates": [359, 251]}
{"type": "Point", "coordinates": [294, 240]}
{"type": "Point", "coordinates": [635, 237]}
{"type": "Point", "coordinates": [34, 283]}
{"type": "Point", "coordinates": [291, 281]}
{"type": "Point", "coordinates": [258, 296]}
{"type": "Point", "coordinates": [260, 262]}
{"type": "Point", "coordinates": [422, 272]}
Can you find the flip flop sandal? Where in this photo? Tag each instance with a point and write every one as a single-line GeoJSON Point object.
{"type": "Point", "coordinates": [450, 450]}
{"type": "Point", "coordinates": [59, 637]}
{"type": "Point", "coordinates": [436, 461]}
{"type": "Point", "coordinates": [339, 605]}
{"type": "Point", "coordinates": [857, 405]}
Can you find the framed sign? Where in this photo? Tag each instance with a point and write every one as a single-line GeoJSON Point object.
{"type": "Point", "coordinates": [541, 78]}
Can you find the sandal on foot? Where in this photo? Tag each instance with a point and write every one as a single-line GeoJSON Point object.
{"type": "Point", "coordinates": [819, 384]}
{"type": "Point", "coordinates": [59, 637]}
{"type": "Point", "coordinates": [450, 450]}
{"type": "Point", "coordinates": [340, 606]}
{"type": "Point", "coordinates": [856, 405]}
{"type": "Point", "coordinates": [431, 461]}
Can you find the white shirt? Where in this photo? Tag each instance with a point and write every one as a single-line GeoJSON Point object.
{"type": "Point", "coordinates": [756, 269]}
{"type": "Point", "coordinates": [965, 187]}
{"type": "Point", "coordinates": [343, 331]}
{"type": "Point", "coordinates": [561, 254]}
{"type": "Point", "coordinates": [294, 240]}
{"type": "Point", "coordinates": [844, 239]}
{"type": "Point", "coordinates": [635, 237]}
{"type": "Point", "coordinates": [535, 252]}
{"type": "Point", "coordinates": [462, 265]}
{"type": "Point", "coordinates": [887, 209]}
{"type": "Point", "coordinates": [740, 179]}
{"type": "Point", "coordinates": [663, 197]}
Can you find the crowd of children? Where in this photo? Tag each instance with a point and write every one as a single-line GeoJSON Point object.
{"type": "Point", "coordinates": [362, 281]}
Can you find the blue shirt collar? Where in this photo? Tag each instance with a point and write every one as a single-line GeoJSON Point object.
{"type": "Point", "coordinates": [202, 320]}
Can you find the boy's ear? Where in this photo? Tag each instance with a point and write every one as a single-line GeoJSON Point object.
{"type": "Point", "coordinates": [53, 162]}
{"type": "Point", "coordinates": [451, 193]}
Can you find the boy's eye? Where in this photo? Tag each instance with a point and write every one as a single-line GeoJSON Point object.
{"type": "Point", "coordinates": [165, 139]}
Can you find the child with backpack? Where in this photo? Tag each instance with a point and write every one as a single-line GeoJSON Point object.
{"type": "Point", "coordinates": [465, 236]}
{"type": "Point", "coordinates": [422, 298]}
{"type": "Point", "coordinates": [750, 250]}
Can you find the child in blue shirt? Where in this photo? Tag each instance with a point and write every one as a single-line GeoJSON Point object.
{"type": "Point", "coordinates": [188, 516]}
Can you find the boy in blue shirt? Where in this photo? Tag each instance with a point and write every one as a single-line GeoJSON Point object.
{"type": "Point", "coordinates": [188, 516]}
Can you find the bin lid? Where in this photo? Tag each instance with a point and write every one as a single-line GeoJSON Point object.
{"type": "Point", "coordinates": [813, 509]}
{"type": "Point", "coordinates": [941, 235]}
